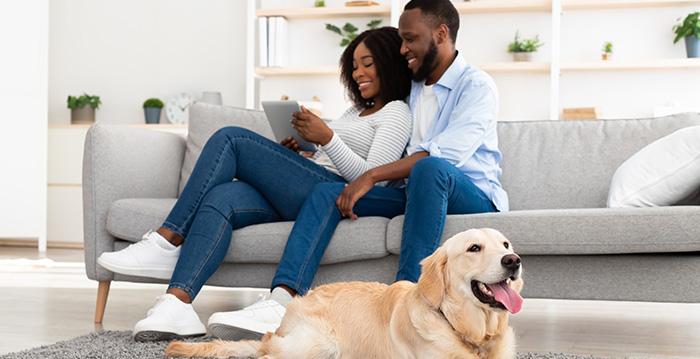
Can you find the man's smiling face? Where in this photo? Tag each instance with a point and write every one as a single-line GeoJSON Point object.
{"type": "Point", "coordinates": [418, 45]}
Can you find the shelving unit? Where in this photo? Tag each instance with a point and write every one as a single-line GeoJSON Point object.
{"type": "Point", "coordinates": [554, 67]}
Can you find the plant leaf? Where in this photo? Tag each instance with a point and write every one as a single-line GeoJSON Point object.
{"type": "Point", "coordinates": [333, 28]}
{"type": "Point", "coordinates": [349, 27]}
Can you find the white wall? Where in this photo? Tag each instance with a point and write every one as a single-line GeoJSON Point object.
{"type": "Point", "coordinates": [638, 34]}
{"type": "Point", "coordinates": [127, 51]}
{"type": "Point", "coordinates": [23, 99]}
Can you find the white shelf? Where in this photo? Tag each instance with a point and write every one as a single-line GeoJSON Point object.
{"type": "Point", "coordinates": [496, 6]}
{"type": "Point", "coordinates": [297, 71]}
{"type": "Point", "coordinates": [623, 4]}
{"type": "Point", "coordinates": [325, 12]}
{"type": "Point", "coordinates": [612, 65]}
{"type": "Point", "coordinates": [494, 67]}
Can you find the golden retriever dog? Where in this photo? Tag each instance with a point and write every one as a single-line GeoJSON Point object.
{"type": "Point", "coordinates": [458, 309]}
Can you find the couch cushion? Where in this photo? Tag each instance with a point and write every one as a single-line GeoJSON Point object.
{"type": "Point", "coordinates": [660, 174]}
{"type": "Point", "coordinates": [129, 219]}
{"type": "Point", "coordinates": [205, 119]}
{"type": "Point", "coordinates": [569, 164]}
{"type": "Point", "coordinates": [581, 231]}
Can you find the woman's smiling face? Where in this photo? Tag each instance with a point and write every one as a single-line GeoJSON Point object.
{"type": "Point", "coordinates": [365, 72]}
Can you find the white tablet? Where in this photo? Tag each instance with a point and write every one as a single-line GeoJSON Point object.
{"type": "Point", "coordinates": [279, 115]}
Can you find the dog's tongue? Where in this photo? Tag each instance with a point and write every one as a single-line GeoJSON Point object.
{"type": "Point", "coordinates": [506, 296]}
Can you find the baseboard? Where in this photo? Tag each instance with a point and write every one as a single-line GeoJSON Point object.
{"type": "Point", "coordinates": [34, 243]}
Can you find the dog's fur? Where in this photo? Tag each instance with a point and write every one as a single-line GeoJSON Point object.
{"type": "Point", "coordinates": [439, 317]}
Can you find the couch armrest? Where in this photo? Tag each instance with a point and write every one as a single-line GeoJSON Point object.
{"type": "Point", "coordinates": [123, 162]}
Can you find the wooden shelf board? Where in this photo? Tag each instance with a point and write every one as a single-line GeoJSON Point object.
{"type": "Point", "coordinates": [297, 71]}
{"type": "Point", "coordinates": [623, 4]}
{"type": "Point", "coordinates": [325, 12]}
{"type": "Point", "coordinates": [495, 6]}
{"type": "Point", "coordinates": [333, 70]}
{"type": "Point", "coordinates": [612, 65]}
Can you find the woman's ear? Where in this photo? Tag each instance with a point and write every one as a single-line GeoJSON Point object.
{"type": "Point", "coordinates": [431, 284]}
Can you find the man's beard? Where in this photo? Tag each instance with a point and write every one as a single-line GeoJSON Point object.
{"type": "Point", "coordinates": [429, 63]}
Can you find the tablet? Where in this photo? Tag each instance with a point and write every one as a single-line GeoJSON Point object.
{"type": "Point", "coordinates": [279, 115]}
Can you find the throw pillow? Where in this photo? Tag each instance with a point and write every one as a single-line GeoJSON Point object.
{"type": "Point", "coordinates": [205, 119]}
{"type": "Point", "coordinates": [661, 174]}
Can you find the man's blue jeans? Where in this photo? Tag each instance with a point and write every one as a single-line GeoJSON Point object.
{"type": "Point", "coordinates": [272, 183]}
{"type": "Point", "coordinates": [435, 189]}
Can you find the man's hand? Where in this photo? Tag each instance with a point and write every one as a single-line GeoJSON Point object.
{"type": "Point", "coordinates": [311, 128]}
{"type": "Point", "coordinates": [352, 193]}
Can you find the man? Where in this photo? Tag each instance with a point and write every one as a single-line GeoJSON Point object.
{"type": "Point", "coordinates": [452, 166]}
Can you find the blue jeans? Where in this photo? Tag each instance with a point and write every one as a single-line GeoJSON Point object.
{"type": "Point", "coordinates": [435, 189]}
{"type": "Point", "coordinates": [271, 185]}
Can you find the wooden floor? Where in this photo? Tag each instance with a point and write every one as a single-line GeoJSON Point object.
{"type": "Point", "coordinates": [47, 300]}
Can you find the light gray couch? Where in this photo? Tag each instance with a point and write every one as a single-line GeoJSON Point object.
{"type": "Point", "coordinates": [557, 176]}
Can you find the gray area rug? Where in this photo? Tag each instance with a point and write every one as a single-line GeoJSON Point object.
{"type": "Point", "coordinates": [119, 344]}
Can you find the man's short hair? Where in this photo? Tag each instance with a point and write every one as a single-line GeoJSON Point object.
{"type": "Point", "coordinates": [440, 12]}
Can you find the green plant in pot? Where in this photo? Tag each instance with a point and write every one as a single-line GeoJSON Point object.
{"type": "Point", "coordinates": [690, 30]}
{"type": "Point", "coordinates": [151, 109]}
{"type": "Point", "coordinates": [83, 108]}
{"type": "Point", "coordinates": [349, 31]}
{"type": "Point", "coordinates": [522, 49]}
{"type": "Point", "coordinates": [607, 51]}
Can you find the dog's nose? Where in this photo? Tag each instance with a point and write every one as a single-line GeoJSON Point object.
{"type": "Point", "coordinates": [511, 261]}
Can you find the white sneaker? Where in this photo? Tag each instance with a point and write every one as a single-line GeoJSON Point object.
{"type": "Point", "coordinates": [146, 258]}
{"type": "Point", "coordinates": [248, 323]}
{"type": "Point", "coordinates": [169, 319]}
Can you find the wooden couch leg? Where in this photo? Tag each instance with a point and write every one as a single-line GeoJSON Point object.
{"type": "Point", "coordinates": [102, 293]}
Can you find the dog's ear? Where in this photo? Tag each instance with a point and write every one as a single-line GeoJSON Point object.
{"type": "Point", "coordinates": [432, 282]}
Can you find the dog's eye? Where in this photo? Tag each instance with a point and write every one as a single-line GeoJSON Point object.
{"type": "Point", "coordinates": [505, 244]}
{"type": "Point", "coordinates": [474, 248]}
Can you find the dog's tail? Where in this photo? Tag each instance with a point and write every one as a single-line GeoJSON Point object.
{"type": "Point", "coordinates": [216, 349]}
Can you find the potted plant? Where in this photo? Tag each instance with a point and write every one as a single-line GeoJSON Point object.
{"type": "Point", "coordinates": [607, 51]}
{"type": "Point", "coordinates": [522, 49]}
{"type": "Point", "coordinates": [349, 31]}
{"type": "Point", "coordinates": [690, 30]}
{"type": "Point", "coordinates": [320, 3]}
{"type": "Point", "coordinates": [83, 108]}
{"type": "Point", "coordinates": [151, 108]}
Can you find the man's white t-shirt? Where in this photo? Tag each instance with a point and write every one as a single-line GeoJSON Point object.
{"type": "Point", "coordinates": [425, 113]}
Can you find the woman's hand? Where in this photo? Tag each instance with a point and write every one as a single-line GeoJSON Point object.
{"type": "Point", "coordinates": [311, 128]}
{"type": "Point", "coordinates": [352, 193]}
{"type": "Point", "coordinates": [291, 143]}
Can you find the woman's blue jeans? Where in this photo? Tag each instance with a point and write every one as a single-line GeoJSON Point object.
{"type": "Point", "coordinates": [272, 183]}
{"type": "Point", "coordinates": [435, 189]}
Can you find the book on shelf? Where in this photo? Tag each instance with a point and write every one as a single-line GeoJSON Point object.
{"type": "Point", "coordinates": [277, 43]}
{"type": "Point", "coordinates": [263, 42]}
{"type": "Point", "coordinates": [583, 113]}
{"type": "Point", "coordinates": [281, 42]}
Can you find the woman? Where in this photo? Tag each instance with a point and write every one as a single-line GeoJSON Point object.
{"type": "Point", "coordinates": [196, 234]}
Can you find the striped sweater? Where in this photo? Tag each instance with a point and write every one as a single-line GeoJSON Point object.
{"type": "Point", "coordinates": [361, 143]}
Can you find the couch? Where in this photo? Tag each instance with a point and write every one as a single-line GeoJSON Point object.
{"type": "Point", "coordinates": [556, 173]}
